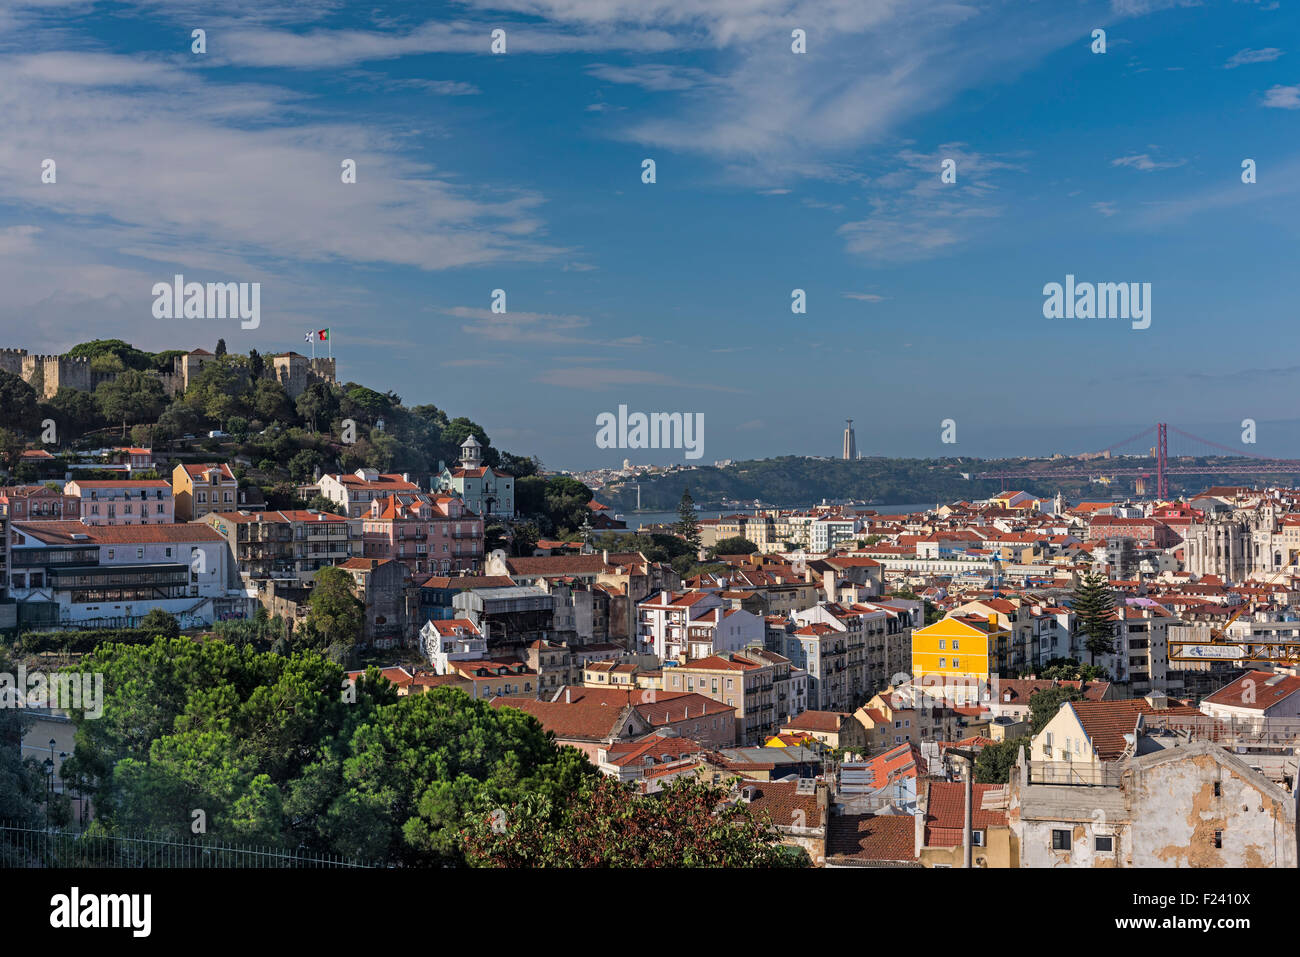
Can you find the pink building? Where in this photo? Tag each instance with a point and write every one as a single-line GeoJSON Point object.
{"type": "Point", "coordinates": [124, 502]}
{"type": "Point", "coordinates": [36, 503]}
{"type": "Point", "coordinates": [429, 536]}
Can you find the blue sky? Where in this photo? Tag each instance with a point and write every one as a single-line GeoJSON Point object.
{"type": "Point", "coordinates": [775, 171]}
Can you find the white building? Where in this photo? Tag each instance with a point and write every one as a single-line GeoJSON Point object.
{"type": "Point", "coordinates": [71, 574]}
{"type": "Point", "coordinates": [683, 627]}
{"type": "Point", "coordinates": [453, 639]}
{"type": "Point", "coordinates": [358, 490]}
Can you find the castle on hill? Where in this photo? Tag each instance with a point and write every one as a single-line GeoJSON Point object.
{"type": "Point", "coordinates": [49, 373]}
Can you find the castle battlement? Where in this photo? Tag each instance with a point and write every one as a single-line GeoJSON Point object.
{"type": "Point", "coordinates": [50, 372]}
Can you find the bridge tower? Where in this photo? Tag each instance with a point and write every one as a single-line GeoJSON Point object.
{"type": "Point", "coordinates": [1162, 461]}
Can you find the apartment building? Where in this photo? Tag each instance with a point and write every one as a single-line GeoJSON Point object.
{"type": "Point", "coordinates": [201, 489]}
{"type": "Point", "coordinates": [290, 545]}
{"type": "Point", "coordinates": [759, 684]}
{"type": "Point", "coordinates": [390, 605]}
{"type": "Point", "coordinates": [124, 502]}
{"type": "Point", "coordinates": [686, 626]}
{"type": "Point", "coordinates": [355, 492]}
{"type": "Point", "coordinates": [429, 536]}
{"type": "Point", "coordinates": [38, 503]}
{"type": "Point", "coordinates": [957, 655]}
{"type": "Point", "coordinates": [71, 574]}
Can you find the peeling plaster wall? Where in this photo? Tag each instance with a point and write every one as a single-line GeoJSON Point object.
{"type": "Point", "coordinates": [1179, 814]}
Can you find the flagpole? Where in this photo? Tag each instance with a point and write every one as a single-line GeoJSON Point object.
{"type": "Point", "coordinates": [330, 340]}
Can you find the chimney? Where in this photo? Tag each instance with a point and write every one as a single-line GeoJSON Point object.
{"type": "Point", "coordinates": [568, 699]}
{"type": "Point", "coordinates": [993, 621]}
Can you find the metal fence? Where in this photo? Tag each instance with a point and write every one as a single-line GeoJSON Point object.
{"type": "Point", "coordinates": [1084, 773]}
{"type": "Point", "coordinates": [50, 847]}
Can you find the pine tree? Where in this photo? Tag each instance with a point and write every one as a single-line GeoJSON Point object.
{"type": "Point", "coordinates": [1094, 612]}
{"type": "Point", "coordinates": [687, 525]}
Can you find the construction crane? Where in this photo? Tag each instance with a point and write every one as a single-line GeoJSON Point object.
{"type": "Point", "coordinates": [1219, 647]}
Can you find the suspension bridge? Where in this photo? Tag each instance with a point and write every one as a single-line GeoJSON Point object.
{"type": "Point", "coordinates": [1153, 443]}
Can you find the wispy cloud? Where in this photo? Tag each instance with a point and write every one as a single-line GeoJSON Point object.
{"type": "Point", "coordinates": [1248, 56]}
{"type": "Point", "coordinates": [1144, 162]}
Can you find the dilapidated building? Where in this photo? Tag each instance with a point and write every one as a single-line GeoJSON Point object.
{"type": "Point", "coordinates": [1186, 805]}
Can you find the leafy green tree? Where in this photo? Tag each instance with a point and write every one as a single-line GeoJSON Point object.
{"type": "Point", "coordinates": [131, 397]}
{"type": "Point", "coordinates": [414, 771]}
{"type": "Point", "coordinates": [303, 465]}
{"type": "Point", "coordinates": [22, 785]}
{"type": "Point", "coordinates": [1044, 705]}
{"type": "Point", "coordinates": [160, 623]}
{"type": "Point", "coordinates": [221, 390]}
{"type": "Point", "coordinates": [736, 545]}
{"type": "Point", "coordinates": [18, 406]}
{"type": "Point", "coordinates": [271, 403]}
{"type": "Point", "coordinates": [125, 354]}
{"type": "Point", "coordinates": [73, 411]}
{"type": "Point", "coordinates": [687, 524]}
{"type": "Point", "coordinates": [334, 612]}
{"type": "Point", "coordinates": [608, 824]}
{"type": "Point", "coordinates": [317, 403]}
{"type": "Point", "coordinates": [12, 446]}
{"type": "Point", "coordinates": [995, 761]}
{"type": "Point", "coordinates": [178, 419]}
{"type": "Point", "coordinates": [1093, 603]}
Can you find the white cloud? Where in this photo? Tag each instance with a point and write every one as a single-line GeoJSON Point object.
{"type": "Point", "coordinates": [1283, 97]}
{"type": "Point", "coordinates": [1144, 162]}
{"type": "Point", "coordinates": [1248, 56]}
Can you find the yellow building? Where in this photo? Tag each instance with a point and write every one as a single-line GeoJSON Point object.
{"type": "Point", "coordinates": [956, 652]}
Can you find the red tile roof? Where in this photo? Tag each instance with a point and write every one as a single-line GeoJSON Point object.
{"type": "Point", "coordinates": [1256, 691]}
{"type": "Point", "coordinates": [945, 816]}
{"type": "Point", "coordinates": [872, 838]}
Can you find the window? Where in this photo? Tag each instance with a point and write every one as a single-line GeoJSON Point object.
{"type": "Point", "coordinates": [941, 662]}
{"type": "Point", "coordinates": [954, 644]}
{"type": "Point", "coordinates": [1218, 789]}
{"type": "Point", "coordinates": [977, 838]}
{"type": "Point", "coordinates": [1218, 839]}
{"type": "Point", "coordinates": [941, 644]}
{"type": "Point", "coordinates": [1103, 845]}
{"type": "Point", "coordinates": [956, 663]}
{"type": "Point", "coordinates": [1060, 840]}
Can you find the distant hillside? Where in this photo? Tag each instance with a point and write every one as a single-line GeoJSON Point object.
{"type": "Point", "coordinates": [791, 481]}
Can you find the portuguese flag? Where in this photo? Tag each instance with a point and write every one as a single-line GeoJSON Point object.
{"type": "Point", "coordinates": [322, 335]}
